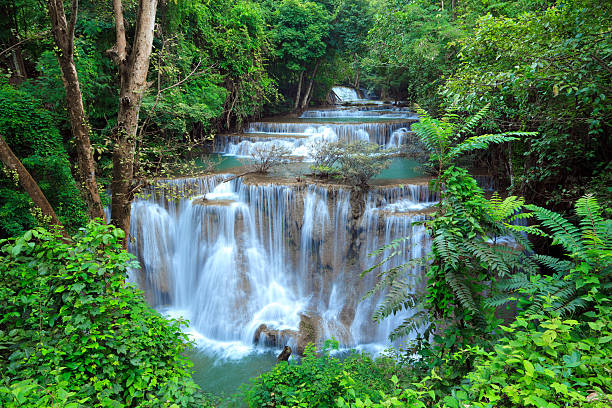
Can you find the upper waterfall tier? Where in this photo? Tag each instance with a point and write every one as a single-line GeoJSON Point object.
{"type": "Point", "coordinates": [377, 112]}
{"type": "Point", "coordinates": [233, 256]}
{"type": "Point", "coordinates": [384, 125]}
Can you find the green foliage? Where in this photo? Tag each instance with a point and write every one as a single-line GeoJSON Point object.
{"type": "Point", "coordinates": [74, 333]}
{"type": "Point", "coordinates": [465, 256]}
{"type": "Point", "coordinates": [544, 362]}
{"type": "Point", "coordinates": [410, 49]}
{"type": "Point", "coordinates": [577, 282]}
{"type": "Point", "coordinates": [446, 138]}
{"type": "Point", "coordinates": [300, 32]}
{"type": "Point", "coordinates": [546, 68]}
{"type": "Point", "coordinates": [30, 131]}
{"type": "Point", "coordinates": [319, 380]}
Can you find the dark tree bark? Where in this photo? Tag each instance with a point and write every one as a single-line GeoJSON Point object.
{"type": "Point", "coordinates": [9, 24]}
{"type": "Point", "coordinates": [63, 34]}
{"type": "Point", "coordinates": [307, 95]}
{"type": "Point", "coordinates": [26, 181]}
{"type": "Point", "coordinates": [356, 62]}
{"type": "Point", "coordinates": [299, 92]}
{"type": "Point", "coordinates": [133, 69]}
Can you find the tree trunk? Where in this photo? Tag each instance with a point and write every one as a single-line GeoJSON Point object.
{"type": "Point", "coordinates": [356, 62]}
{"type": "Point", "coordinates": [510, 167]}
{"type": "Point", "coordinates": [133, 70]}
{"type": "Point", "coordinates": [309, 89]}
{"type": "Point", "coordinates": [27, 182]}
{"type": "Point", "coordinates": [63, 34]}
{"type": "Point", "coordinates": [299, 92]}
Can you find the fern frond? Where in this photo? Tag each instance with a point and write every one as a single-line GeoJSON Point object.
{"type": "Point", "coordinates": [470, 124]}
{"type": "Point", "coordinates": [446, 247]}
{"type": "Point", "coordinates": [478, 143]}
{"type": "Point", "coordinates": [398, 298]}
{"type": "Point", "coordinates": [415, 323]}
{"type": "Point", "coordinates": [554, 264]}
{"type": "Point", "coordinates": [563, 231]}
{"type": "Point", "coordinates": [595, 230]}
{"type": "Point", "coordinates": [489, 257]}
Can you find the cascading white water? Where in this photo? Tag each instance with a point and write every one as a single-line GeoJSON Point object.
{"type": "Point", "coordinates": [237, 256]}
{"type": "Point", "coordinates": [362, 112]}
{"type": "Point", "coordinates": [241, 258]}
{"type": "Point", "coordinates": [298, 137]}
{"type": "Point", "coordinates": [346, 94]}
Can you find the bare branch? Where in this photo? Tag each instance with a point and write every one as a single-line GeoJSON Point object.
{"type": "Point", "coordinates": [17, 44]}
{"type": "Point", "coordinates": [120, 42]}
{"type": "Point", "coordinates": [73, 18]}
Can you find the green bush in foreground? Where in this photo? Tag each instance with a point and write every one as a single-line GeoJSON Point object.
{"type": "Point", "coordinates": [320, 380]}
{"type": "Point", "coordinates": [74, 333]}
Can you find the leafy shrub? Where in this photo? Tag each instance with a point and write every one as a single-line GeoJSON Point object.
{"type": "Point", "coordinates": [325, 157]}
{"type": "Point", "coordinates": [319, 380]}
{"type": "Point", "coordinates": [355, 162]}
{"type": "Point", "coordinates": [559, 363]}
{"type": "Point", "coordinates": [71, 324]}
{"type": "Point", "coordinates": [268, 156]}
{"type": "Point", "coordinates": [30, 131]}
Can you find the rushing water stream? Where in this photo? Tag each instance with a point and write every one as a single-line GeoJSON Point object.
{"type": "Point", "coordinates": [258, 263]}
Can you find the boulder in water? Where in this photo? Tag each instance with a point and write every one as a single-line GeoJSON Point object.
{"type": "Point", "coordinates": [308, 332]}
{"type": "Point", "coordinates": [285, 354]}
{"type": "Point", "coordinates": [272, 337]}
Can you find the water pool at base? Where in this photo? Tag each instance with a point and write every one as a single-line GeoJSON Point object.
{"type": "Point", "coordinates": [223, 377]}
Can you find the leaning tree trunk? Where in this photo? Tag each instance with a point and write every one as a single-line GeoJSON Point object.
{"type": "Point", "coordinates": [299, 92]}
{"type": "Point", "coordinates": [307, 95]}
{"type": "Point", "coordinates": [63, 34]}
{"type": "Point", "coordinates": [27, 182]}
{"type": "Point", "coordinates": [133, 69]}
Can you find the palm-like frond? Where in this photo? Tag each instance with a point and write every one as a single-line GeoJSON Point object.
{"type": "Point", "coordinates": [563, 231]}
{"type": "Point", "coordinates": [470, 124]}
{"type": "Point", "coordinates": [482, 142]}
{"type": "Point", "coordinates": [596, 231]}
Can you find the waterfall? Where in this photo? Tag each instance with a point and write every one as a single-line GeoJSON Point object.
{"type": "Point", "coordinates": [233, 256]}
{"type": "Point", "coordinates": [297, 137]}
{"type": "Point", "coordinates": [251, 264]}
{"type": "Point", "coordinates": [346, 94]}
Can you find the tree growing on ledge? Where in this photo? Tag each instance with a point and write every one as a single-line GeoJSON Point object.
{"type": "Point", "coordinates": [355, 162]}
{"type": "Point", "coordinates": [269, 156]}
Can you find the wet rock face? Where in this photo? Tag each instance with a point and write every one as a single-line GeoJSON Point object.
{"type": "Point", "coordinates": [276, 250]}
{"type": "Point", "coordinates": [310, 331]}
{"type": "Point", "coordinates": [267, 336]}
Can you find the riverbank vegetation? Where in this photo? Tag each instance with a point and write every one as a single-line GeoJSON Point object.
{"type": "Point", "coordinates": [516, 307]}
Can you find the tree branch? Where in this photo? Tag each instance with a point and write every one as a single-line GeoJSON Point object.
{"type": "Point", "coordinates": [73, 18]}
{"type": "Point", "coordinates": [120, 42]}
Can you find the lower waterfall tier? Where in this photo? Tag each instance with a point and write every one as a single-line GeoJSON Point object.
{"type": "Point", "coordinates": [267, 264]}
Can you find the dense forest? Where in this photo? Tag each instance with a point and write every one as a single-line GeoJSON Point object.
{"type": "Point", "coordinates": [101, 100]}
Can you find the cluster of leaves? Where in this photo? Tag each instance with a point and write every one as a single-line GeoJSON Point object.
{"type": "Point", "coordinates": [546, 362]}
{"type": "Point", "coordinates": [31, 132]}
{"type": "Point", "coordinates": [546, 68]}
{"type": "Point", "coordinates": [320, 380]}
{"type": "Point", "coordinates": [410, 49]}
{"type": "Point", "coordinates": [74, 333]}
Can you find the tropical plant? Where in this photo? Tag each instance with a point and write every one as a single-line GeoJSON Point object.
{"type": "Point", "coordinates": [320, 379]}
{"type": "Point", "coordinates": [466, 255]}
{"type": "Point", "coordinates": [447, 138]}
{"type": "Point", "coordinates": [545, 361]}
{"type": "Point", "coordinates": [578, 280]}
{"type": "Point", "coordinates": [72, 325]}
